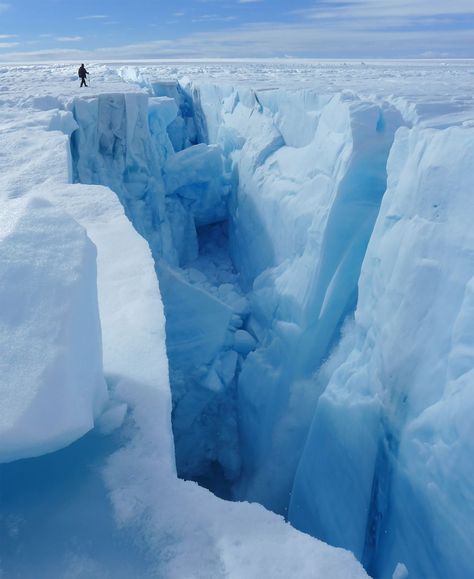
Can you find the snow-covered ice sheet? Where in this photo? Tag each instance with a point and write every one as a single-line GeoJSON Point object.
{"type": "Point", "coordinates": [309, 226]}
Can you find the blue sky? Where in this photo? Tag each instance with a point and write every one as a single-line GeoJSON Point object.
{"type": "Point", "coordinates": [138, 29]}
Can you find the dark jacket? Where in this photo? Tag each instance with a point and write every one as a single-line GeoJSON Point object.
{"type": "Point", "coordinates": [82, 72]}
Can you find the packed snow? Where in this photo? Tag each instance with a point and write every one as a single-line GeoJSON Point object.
{"type": "Point", "coordinates": [50, 331]}
{"type": "Point", "coordinates": [256, 277]}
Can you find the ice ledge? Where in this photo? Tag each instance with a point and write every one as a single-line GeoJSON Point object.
{"type": "Point", "coordinates": [52, 386]}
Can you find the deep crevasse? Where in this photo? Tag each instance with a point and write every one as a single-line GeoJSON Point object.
{"type": "Point", "coordinates": [177, 201]}
{"type": "Point", "coordinates": [109, 504]}
{"type": "Point", "coordinates": [308, 174]}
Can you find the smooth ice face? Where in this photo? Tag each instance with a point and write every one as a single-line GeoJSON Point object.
{"type": "Point", "coordinates": [51, 383]}
{"type": "Point", "coordinates": [394, 427]}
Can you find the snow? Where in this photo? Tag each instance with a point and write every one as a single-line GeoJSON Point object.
{"type": "Point", "coordinates": [304, 229]}
{"type": "Point", "coordinates": [194, 534]}
{"type": "Point", "coordinates": [52, 386]}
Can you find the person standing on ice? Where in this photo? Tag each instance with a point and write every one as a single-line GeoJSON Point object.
{"type": "Point", "coordinates": [82, 72]}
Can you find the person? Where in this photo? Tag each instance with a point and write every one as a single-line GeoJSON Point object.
{"type": "Point", "coordinates": [82, 72]}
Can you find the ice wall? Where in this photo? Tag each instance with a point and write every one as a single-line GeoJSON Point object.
{"type": "Point", "coordinates": [311, 175]}
{"type": "Point", "coordinates": [267, 223]}
{"type": "Point", "coordinates": [312, 172]}
{"type": "Point", "coordinates": [174, 198]}
{"type": "Point", "coordinates": [112, 146]}
{"type": "Point", "coordinates": [386, 470]}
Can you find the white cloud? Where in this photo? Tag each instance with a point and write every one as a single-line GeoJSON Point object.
{"type": "Point", "coordinates": [69, 38]}
{"type": "Point", "coordinates": [4, 36]}
{"type": "Point", "coordinates": [385, 10]}
{"type": "Point", "coordinates": [8, 44]}
{"type": "Point", "coordinates": [332, 29]}
{"type": "Point", "coordinates": [379, 18]}
{"type": "Point", "coordinates": [214, 18]}
{"type": "Point", "coordinates": [93, 17]}
{"type": "Point", "coordinates": [270, 40]}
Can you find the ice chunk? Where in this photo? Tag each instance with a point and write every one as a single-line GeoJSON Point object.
{"type": "Point", "coordinates": [196, 175]}
{"type": "Point", "coordinates": [244, 342]}
{"type": "Point", "coordinates": [226, 366]}
{"type": "Point", "coordinates": [161, 112]}
{"type": "Point", "coordinates": [401, 572]}
{"type": "Point", "coordinates": [165, 109]}
{"type": "Point", "coordinates": [196, 321]}
{"type": "Point", "coordinates": [112, 418]}
{"type": "Point", "coordinates": [131, 311]}
{"type": "Point", "coordinates": [51, 381]}
{"type": "Point", "coordinates": [182, 130]}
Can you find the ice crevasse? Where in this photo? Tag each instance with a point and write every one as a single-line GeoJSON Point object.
{"type": "Point", "coordinates": [315, 262]}
{"type": "Point", "coordinates": [112, 502]}
{"type": "Point", "coordinates": [314, 258]}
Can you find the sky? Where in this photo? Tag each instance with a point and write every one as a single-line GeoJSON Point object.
{"type": "Point", "coordinates": [55, 30]}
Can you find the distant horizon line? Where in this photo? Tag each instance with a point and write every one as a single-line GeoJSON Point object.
{"type": "Point", "coordinates": [360, 60]}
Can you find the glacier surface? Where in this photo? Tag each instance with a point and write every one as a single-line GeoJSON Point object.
{"type": "Point", "coordinates": [308, 225]}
